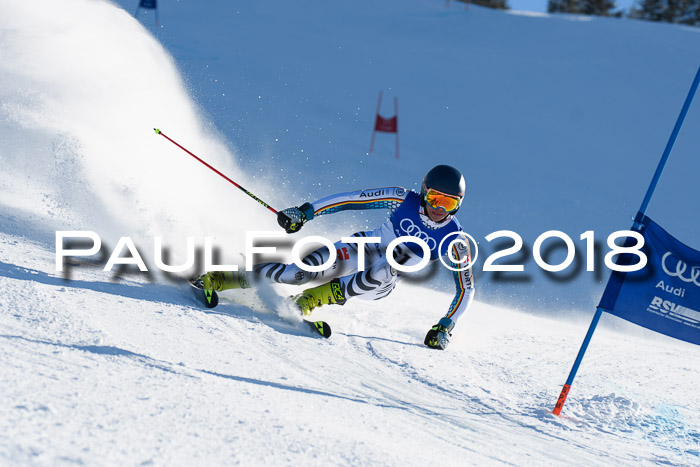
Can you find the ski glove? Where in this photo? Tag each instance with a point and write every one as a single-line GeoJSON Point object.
{"type": "Point", "coordinates": [439, 335]}
{"type": "Point", "coordinates": [292, 219]}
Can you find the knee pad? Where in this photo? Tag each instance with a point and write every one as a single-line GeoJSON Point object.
{"type": "Point", "coordinates": [375, 283]}
{"type": "Point", "coordinates": [383, 272]}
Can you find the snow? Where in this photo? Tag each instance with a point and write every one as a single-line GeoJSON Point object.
{"type": "Point", "coordinates": [558, 122]}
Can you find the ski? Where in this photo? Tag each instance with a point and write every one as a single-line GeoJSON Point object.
{"type": "Point", "coordinates": [321, 327]}
{"type": "Point", "coordinates": [209, 298]}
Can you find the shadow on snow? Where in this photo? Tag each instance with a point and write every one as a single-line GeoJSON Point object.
{"type": "Point", "coordinates": [156, 293]}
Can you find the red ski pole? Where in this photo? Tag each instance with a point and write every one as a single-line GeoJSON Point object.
{"type": "Point", "coordinates": [158, 132]}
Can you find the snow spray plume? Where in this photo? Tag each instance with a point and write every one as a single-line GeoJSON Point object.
{"type": "Point", "coordinates": [158, 132]}
{"type": "Point", "coordinates": [70, 164]}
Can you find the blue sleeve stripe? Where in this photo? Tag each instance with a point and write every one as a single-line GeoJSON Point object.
{"type": "Point", "coordinates": [460, 289]}
{"type": "Point", "coordinates": [352, 205]}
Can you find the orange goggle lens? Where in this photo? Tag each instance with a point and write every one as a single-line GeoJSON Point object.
{"type": "Point", "coordinates": [440, 200]}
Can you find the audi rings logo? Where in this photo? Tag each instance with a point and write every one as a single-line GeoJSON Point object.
{"type": "Point", "coordinates": [413, 230]}
{"type": "Point", "coordinates": [680, 270]}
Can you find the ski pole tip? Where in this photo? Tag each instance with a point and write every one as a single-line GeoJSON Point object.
{"type": "Point", "coordinates": [157, 130]}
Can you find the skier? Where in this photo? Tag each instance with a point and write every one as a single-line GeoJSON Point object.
{"type": "Point", "coordinates": [428, 215]}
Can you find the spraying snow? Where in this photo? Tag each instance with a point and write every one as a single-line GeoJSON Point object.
{"type": "Point", "coordinates": [80, 99]}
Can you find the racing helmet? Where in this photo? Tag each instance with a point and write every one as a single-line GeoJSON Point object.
{"type": "Point", "coordinates": [443, 188]}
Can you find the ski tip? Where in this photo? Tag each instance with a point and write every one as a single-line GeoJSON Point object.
{"type": "Point", "coordinates": [157, 130]}
{"type": "Point", "coordinates": [211, 298]}
{"type": "Point", "coordinates": [321, 327]}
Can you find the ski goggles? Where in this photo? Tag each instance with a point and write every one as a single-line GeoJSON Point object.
{"type": "Point", "coordinates": [438, 200]}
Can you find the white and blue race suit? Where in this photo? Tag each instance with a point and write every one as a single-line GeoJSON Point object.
{"type": "Point", "coordinates": [407, 218]}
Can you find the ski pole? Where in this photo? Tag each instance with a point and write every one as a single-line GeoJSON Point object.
{"type": "Point", "coordinates": [158, 132]}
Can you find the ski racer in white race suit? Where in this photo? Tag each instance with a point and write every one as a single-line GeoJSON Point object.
{"type": "Point", "coordinates": [428, 215]}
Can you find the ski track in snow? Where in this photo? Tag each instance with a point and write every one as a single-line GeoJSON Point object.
{"type": "Point", "coordinates": [135, 372]}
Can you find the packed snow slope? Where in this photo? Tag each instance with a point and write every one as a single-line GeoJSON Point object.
{"type": "Point", "coordinates": [557, 122]}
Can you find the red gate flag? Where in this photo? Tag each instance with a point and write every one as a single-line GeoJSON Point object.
{"type": "Point", "coordinates": [386, 125]}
